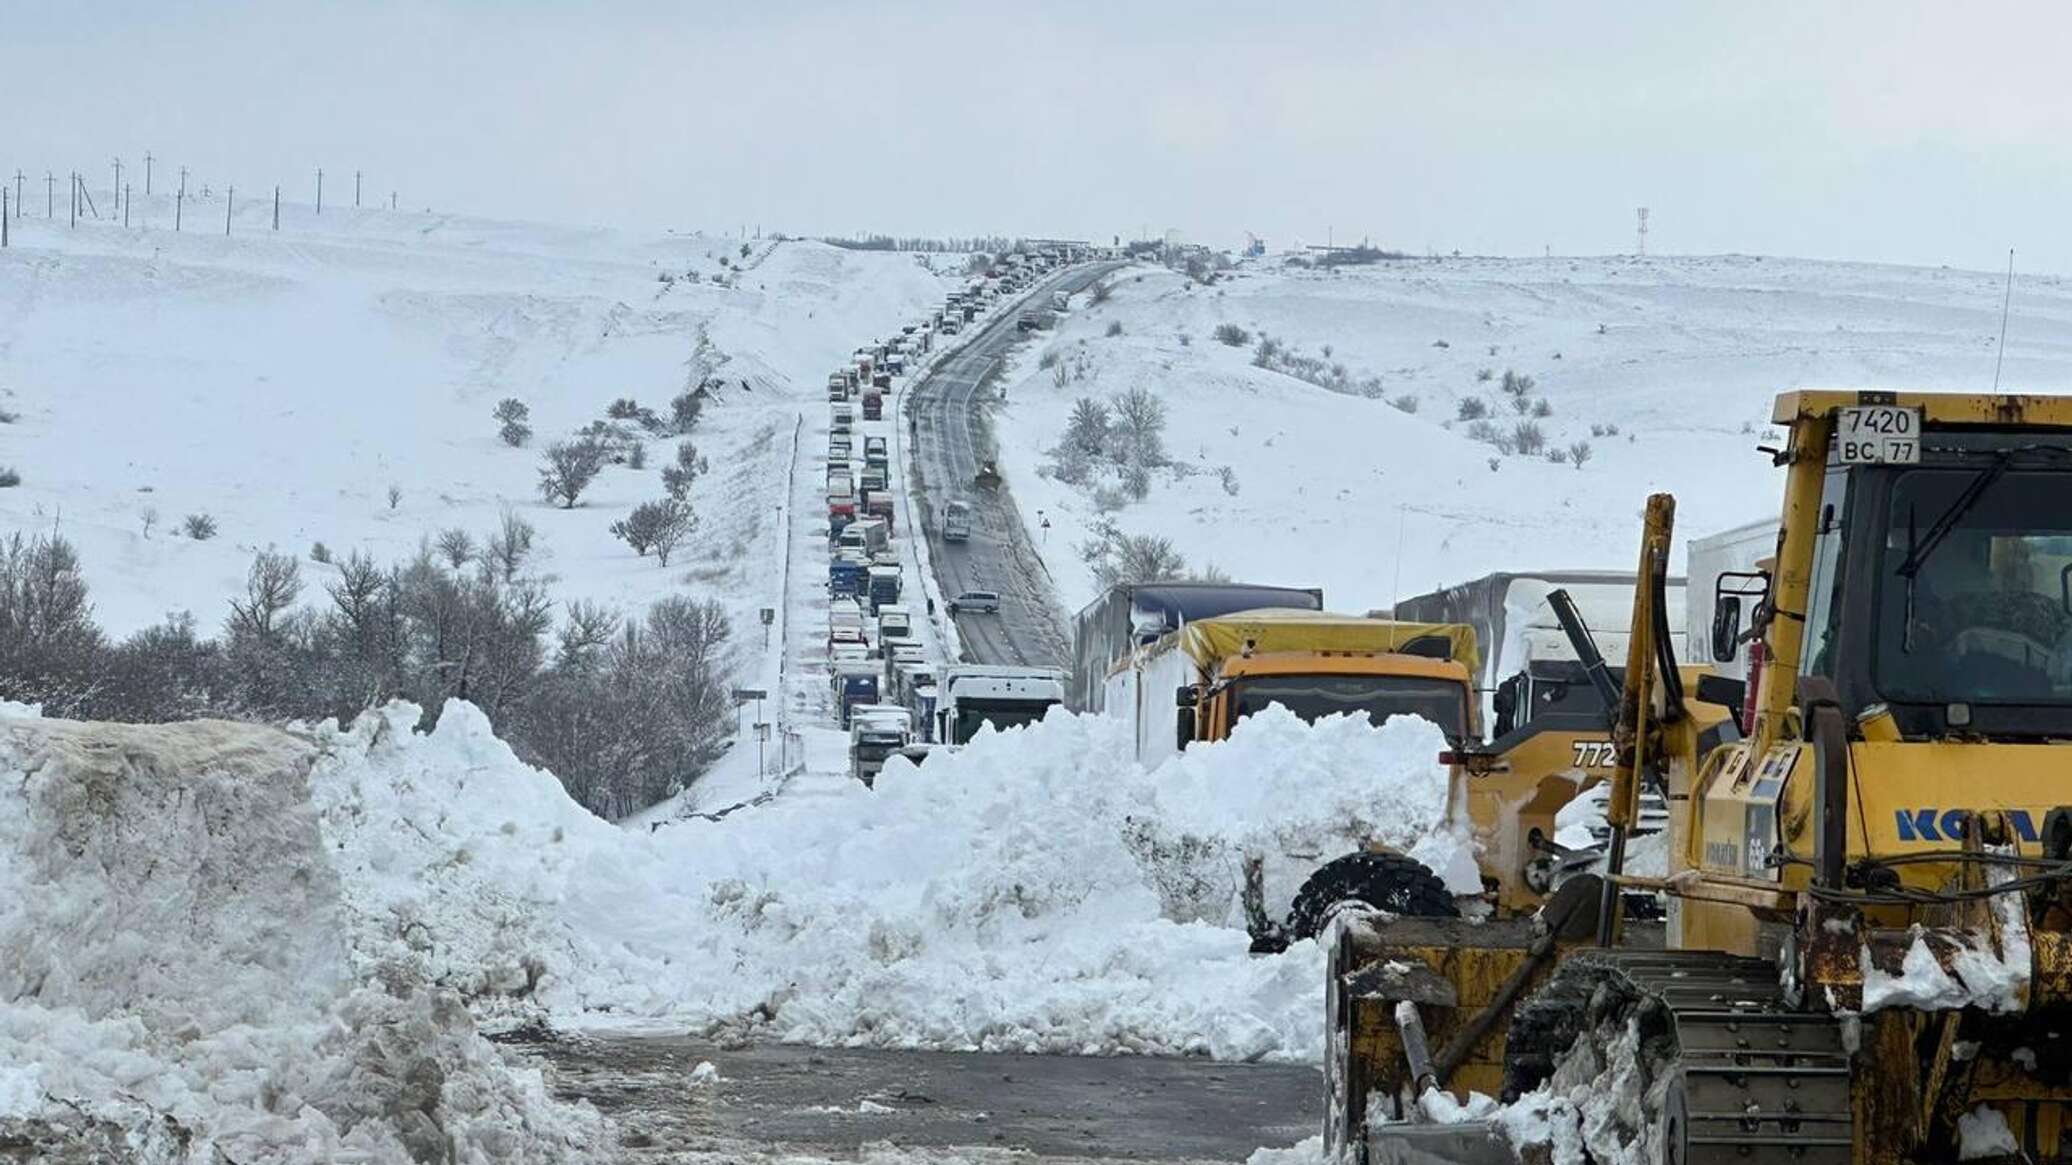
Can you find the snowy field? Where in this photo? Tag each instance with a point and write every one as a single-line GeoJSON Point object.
{"type": "Point", "coordinates": [1348, 492]}
{"type": "Point", "coordinates": [283, 383]}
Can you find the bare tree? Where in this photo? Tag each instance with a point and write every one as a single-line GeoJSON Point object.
{"type": "Point", "coordinates": [512, 416]}
{"type": "Point", "coordinates": [456, 546]}
{"type": "Point", "coordinates": [270, 589]}
{"type": "Point", "coordinates": [568, 469]}
{"type": "Point", "coordinates": [510, 546]}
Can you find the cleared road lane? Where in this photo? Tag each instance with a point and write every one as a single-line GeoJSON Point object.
{"type": "Point", "coordinates": [943, 413]}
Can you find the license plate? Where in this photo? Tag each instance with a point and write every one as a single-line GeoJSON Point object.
{"type": "Point", "coordinates": [1878, 435]}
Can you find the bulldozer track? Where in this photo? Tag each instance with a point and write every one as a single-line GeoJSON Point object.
{"type": "Point", "coordinates": [1744, 1075]}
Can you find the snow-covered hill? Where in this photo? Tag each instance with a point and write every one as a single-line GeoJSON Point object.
{"type": "Point", "coordinates": [1344, 489]}
{"type": "Point", "coordinates": [282, 383]}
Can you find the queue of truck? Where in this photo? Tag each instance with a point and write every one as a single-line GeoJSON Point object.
{"type": "Point", "coordinates": [886, 693]}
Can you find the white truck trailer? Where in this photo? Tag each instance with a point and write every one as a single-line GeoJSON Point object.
{"type": "Point", "coordinates": [971, 696]}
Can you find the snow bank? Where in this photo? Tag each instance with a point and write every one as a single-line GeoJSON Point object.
{"type": "Point", "coordinates": [175, 981]}
{"type": "Point", "coordinates": [1006, 897]}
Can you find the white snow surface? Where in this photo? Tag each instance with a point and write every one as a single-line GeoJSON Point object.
{"type": "Point", "coordinates": [1345, 492]}
{"type": "Point", "coordinates": [282, 382]}
{"type": "Point", "coordinates": [1983, 1133]}
{"type": "Point", "coordinates": [175, 967]}
{"type": "Point", "coordinates": [1980, 977]}
{"type": "Point", "coordinates": [1002, 897]}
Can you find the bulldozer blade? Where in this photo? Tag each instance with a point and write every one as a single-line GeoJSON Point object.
{"type": "Point", "coordinates": [1468, 1143]}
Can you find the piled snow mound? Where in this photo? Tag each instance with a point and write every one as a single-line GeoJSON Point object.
{"type": "Point", "coordinates": [998, 897]}
{"type": "Point", "coordinates": [175, 983]}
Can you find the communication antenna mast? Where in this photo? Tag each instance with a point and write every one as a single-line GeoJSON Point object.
{"type": "Point", "coordinates": [1643, 241]}
{"type": "Point", "coordinates": [2005, 303]}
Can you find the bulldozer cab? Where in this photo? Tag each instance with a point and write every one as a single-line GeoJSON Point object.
{"type": "Point", "coordinates": [1956, 541]}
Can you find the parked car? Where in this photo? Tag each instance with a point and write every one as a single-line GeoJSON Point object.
{"type": "Point", "coordinates": [987, 602]}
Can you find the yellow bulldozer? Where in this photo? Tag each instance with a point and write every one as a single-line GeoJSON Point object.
{"type": "Point", "coordinates": [1867, 950]}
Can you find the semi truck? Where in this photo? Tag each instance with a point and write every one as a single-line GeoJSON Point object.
{"type": "Point", "coordinates": [971, 696]}
{"type": "Point", "coordinates": [1132, 615]}
{"type": "Point", "coordinates": [846, 574]}
{"type": "Point", "coordinates": [1313, 663]}
{"type": "Point", "coordinates": [866, 537]}
{"type": "Point", "coordinates": [874, 405]}
{"type": "Point", "coordinates": [884, 587]}
{"type": "Point", "coordinates": [956, 521]}
{"type": "Point", "coordinates": [1525, 654]}
{"type": "Point", "coordinates": [855, 683]}
{"type": "Point", "coordinates": [879, 504]}
{"type": "Point", "coordinates": [895, 621]}
{"type": "Point", "coordinates": [876, 731]}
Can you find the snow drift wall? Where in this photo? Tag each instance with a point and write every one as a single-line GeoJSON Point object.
{"type": "Point", "coordinates": [175, 979]}
{"type": "Point", "coordinates": [1016, 895]}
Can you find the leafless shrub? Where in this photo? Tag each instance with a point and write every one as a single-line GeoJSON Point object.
{"type": "Point", "coordinates": [1579, 452]}
{"type": "Point", "coordinates": [9, 477]}
{"type": "Point", "coordinates": [567, 470]}
{"type": "Point", "coordinates": [318, 552]}
{"type": "Point", "coordinates": [1528, 437]}
{"type": "Point", "coordinates": [456, 546]}
{"type": "Point", "coordinates": [512, 416]}
{"type": "Point", "coordinates": [1406, 403]}
{"type": "Point", "coordinates": [1541, 407]}
{"type": "Point", "coordinates": [1114, 328]}
{"type": "Point", "coordinates": [395, 496]}
{"type": "Point", "coordinates": [1471, 408]}
{"type": "Point", "coordinates": [509, 547]}
{"type": "Point", "coordinates": [200, 527]}
{"type": "Point", "coordinates": [1228, 477]}
{"type": "Point", "coordinates": [1231, 335]}
{"type": "Point", "coordinates": [659, 526]}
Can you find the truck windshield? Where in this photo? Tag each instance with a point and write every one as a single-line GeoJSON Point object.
{"type": "Point", "coordinates": [1001, 714]}
{"type": "Point", "coordinates": [1313, 697]}
{"type": "Point", "coordinates": [1987, 616]}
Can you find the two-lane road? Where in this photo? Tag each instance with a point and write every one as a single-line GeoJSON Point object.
{"type": "Point", "coordinates": [943, 409]}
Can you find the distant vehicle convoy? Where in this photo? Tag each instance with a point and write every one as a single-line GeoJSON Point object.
{"type": "Point", "coordinates": [887, 695]}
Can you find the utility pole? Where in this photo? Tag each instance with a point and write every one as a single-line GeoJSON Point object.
{"type": "Point", "coordinates": [118, 178]}
{"type": "Point", "coordinates": [183, 180]}
{"type": "Point", "coordinates": [147, 173]}
{"type": "Point", "coordinates": [179, 204]}
{"type": "Point", "coordinates": [50, 184]}
{"type": "Point", "coordinates": [320, 190]}
{"type": "Point", "coordinates": [392, 200]}
{"type": "Point", "coordinates": [125, 207]}
{"type": "Point", "coordinates": [75, 200]}
{"type": "Point", "coordinates": [1642, 242]}
{"type": "Point", "coordinates": [356, 190]}
{"type": "Point", "coordinates": [17, 192]}
{"type": "Point", "coordinates": [276, 207]}
{"type": "Point", "coordinates": [229, 200]}
{"type": "Point", "coordinates": [3, 218]}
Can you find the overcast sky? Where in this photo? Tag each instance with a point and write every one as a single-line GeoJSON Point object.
{"type": "Point", "coordinates": [1927, 133]}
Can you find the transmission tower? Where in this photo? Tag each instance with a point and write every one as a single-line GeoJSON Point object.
{"type": "Point", "coordinates": [1643, 242]}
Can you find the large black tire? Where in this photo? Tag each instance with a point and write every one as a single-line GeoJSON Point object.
{"type": "Point", "coordinates": [1384, 881]}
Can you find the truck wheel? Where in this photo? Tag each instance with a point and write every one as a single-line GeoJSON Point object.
{"type": "Point", "coordinates": [1384, 881]}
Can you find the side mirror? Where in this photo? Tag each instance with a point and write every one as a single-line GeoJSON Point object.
{"type": "Point", "coordinates": [1185, 697]}
{"type": "Point", "coordinates": [1726, 627]}
{"type": "Point", "coordinates": [1728, 590]}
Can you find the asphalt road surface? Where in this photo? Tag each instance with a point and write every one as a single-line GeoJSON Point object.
{"type": "Point", "coordinates": [831, 1100]}
{"type": "Point", "coordinates": [943, 410]}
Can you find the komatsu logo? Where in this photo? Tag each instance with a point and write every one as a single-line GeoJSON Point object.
{"type": "Point", "coordinates": [1948, 824]}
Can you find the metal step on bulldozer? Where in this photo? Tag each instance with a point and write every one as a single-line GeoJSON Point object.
{"type": "Point", "coordinates": [1867, 950]}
